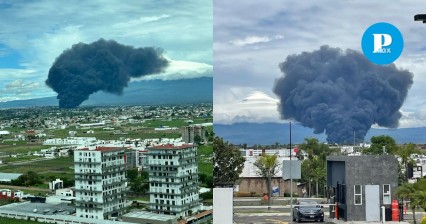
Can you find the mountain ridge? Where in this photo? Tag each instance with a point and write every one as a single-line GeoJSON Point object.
{"type": "Point", "coordinates": [146, 92]}
{"type": "Point", "coordinates": [270, 133]}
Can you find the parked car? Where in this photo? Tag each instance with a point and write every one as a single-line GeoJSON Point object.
{"type": "Point", "coordinates": [308, 210]}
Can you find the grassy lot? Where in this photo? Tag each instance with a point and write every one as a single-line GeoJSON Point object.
{"type": "Point", "coordinates": [18, 159]}
{"type": "Point", "coordinates": [175, 122]}
{"type": "Point", "coordinates": [58, 164]}
{"type": "Point", "coordinates": [47, 176]}
{"type": "Point", "coordinates": [20, 147]}
{"type": "Point", "coordinates": [16, 221]}
{"type": "Point", "coordinates": [205, 165]}
{"type": "Point", "coordinates": [131, 131]}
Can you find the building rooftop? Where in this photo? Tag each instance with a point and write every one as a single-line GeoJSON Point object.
{"type": "Point", "coordinates": [101, 149]}
{"type": "Point", "coordinates": [149, 215]}
{"type": "Point", "coordinates": [46, 210]}
{"type": "Point", "coordinates": [171, 146]}
{"type": "Point", "coordinates": [9, 176]}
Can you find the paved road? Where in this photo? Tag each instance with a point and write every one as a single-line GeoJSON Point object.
{"type": "Point", "coordinates": [264, 218]}
{"type": "Point", "coordinates": [284, 218]}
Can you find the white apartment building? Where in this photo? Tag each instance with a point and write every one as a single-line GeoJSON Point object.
{"type": "Point", "coordinates": [251, 155]}
{"type": "Point", "coordinates": [173, 179]}
{"type": "Point", "coordinates": [100, 182]}
{"type": "Point", "coordinates": [71, 141]}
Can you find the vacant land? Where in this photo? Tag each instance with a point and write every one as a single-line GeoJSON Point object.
{"type": "Point", "coordinates": [16, 221]}
{"type": "Point", "coordinates": [63, 164]}
{"type": "Point", "coordinates": [205, 164]}
{"type": "Point", "coordinates": [12, 147]}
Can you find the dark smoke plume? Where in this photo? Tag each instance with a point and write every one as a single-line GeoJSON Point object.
{"type": "Point", "coordinates": [102, 65]}
{"type": "Point", "coordinates": [341, 93]}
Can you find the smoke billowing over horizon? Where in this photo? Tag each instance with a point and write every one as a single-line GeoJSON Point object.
{"type": "Point", "coordinates": [100, 66]}
{"type": "Point", "coordinates": [340, 93]}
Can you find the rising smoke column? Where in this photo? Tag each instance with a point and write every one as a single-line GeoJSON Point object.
{"type": "Point", "coordinates": [102, 65]}
{"type": "Point", "coordinates": [340, 93]}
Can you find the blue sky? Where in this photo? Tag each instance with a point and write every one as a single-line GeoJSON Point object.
{"type": "Point", "coordinates": [34, 33]}
{"type": "Point", "coordinates": [252, 37]}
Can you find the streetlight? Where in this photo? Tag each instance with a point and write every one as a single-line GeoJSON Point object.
{"type": "Point", "coordinates": [420, 17]}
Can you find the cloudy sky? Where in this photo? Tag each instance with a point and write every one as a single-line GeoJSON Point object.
{"type": "Point", "coordinates": [34, 33]}
{"type": "Point", "coordinates": [252, 37]}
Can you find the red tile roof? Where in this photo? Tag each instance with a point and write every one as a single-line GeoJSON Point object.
{"type": "Point", "coordinates": [105, 149]}
{"type": "Point", "coordinates": [171, 146]}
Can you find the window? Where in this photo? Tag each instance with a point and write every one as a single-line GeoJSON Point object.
{"type": "Point", "coordinates": [386, 194]}
{"type": "Point", "coordinates": [358, 195]}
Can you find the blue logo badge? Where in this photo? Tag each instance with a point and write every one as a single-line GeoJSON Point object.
{"type": "Point", "coordinates": [382, 43]}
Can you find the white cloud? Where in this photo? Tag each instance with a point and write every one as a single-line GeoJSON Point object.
{"type": "Point", "coordinates": [140, 21]}
{"type": "Point", "coordinates": [20, 84]}
{"type": "Point", "coordinates": [255, 40]}
{"type": "Point", "coordinates": [182, 70]}
{"type": "Point", "coordinates": [256, 107]}
{"type": "Point", "coordinates": [250, 40]}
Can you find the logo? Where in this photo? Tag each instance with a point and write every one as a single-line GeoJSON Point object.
{"type": "Point", "coordinates": [382, 43]}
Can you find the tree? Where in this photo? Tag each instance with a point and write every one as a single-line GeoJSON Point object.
{"type": "Point", "coordinates": [28, 179]}
{"type": "Point", "coordinates": [407, 191]}
{"type": "Point", "coordinates": [228, 163]}
{"type": "Point", "coordinates": [313, 169]}
{"type": "Point", "coordinates": [197, 139]}
{"type": "Point", "coordinates": [377, 144]}
{"type": "Point", "coordinates": [132, 174]}
{"type": "Point", "coordinates": [267, 166]}
{"type": "Point", "coordinates": [405, 153]}
{"type": "Point", "coordinates": [419, 198]}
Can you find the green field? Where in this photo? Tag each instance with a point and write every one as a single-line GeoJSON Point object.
{"type": "Point", "coordinates": [16, 221]}
{"type": "Point", "coordinates": [20, 147]}
{"type": "Point", "coordinates": [174, 123]}
{"type": "Point", "coordinates": [63, 164]}
{"type": "Point", "coordinates": [205, 165]}
{"type": "Point", "coordinates": [18, 159]}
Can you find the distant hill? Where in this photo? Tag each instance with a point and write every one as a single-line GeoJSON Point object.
{"type": "Point", "coordinates": [270, 133]}
{"type": "Point", "coordinates": [152, 92]}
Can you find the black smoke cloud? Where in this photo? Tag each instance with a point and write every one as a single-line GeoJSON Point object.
{"type": "Point", "coordinates": [100, 66]}
{"type": "Point", "coordinates": [340, 93]}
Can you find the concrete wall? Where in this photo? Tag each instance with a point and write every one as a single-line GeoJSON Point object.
{"type": "Point", "coordinates": [259, 185]}
{"type": "Point", "coordinates": [223, 205]}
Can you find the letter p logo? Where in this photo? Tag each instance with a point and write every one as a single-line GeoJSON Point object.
{"type": "Point", "coordinates": [381, 40]}
{"type": "Point", "coordinates": [382, 43]}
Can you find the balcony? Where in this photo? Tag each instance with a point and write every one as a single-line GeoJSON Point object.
{"type": "Point", "coordinates": [88, 202]}
{"type": "Point", "coordinates": [81, 206]}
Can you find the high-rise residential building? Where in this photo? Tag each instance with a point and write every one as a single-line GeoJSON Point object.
{"type": "Point", "coordinates": [100, 182]}
{"type": "Point", "coordinates": [173, 179]}
{"type": "Point", "coordinates": [189, 133]}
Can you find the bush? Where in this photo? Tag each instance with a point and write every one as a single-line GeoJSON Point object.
{"type": "Point", "coordinates": [288, 195]}
{"type": "Point", "coordinates": [207, 195]}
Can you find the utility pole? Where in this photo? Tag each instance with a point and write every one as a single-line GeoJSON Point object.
{"type": "Point", "coordinates": [291, 182]}
{"type": "Point", "coordinates": [270, 194]}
